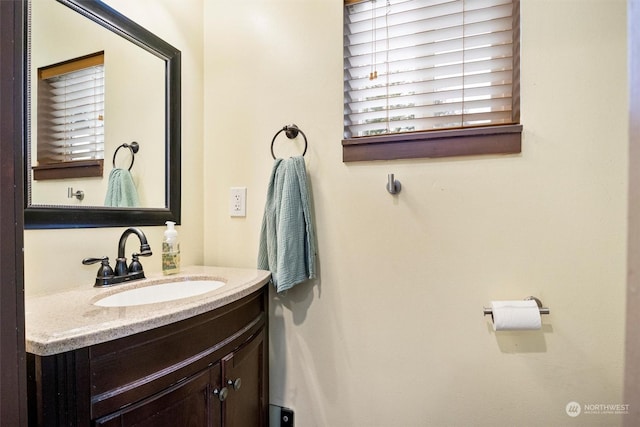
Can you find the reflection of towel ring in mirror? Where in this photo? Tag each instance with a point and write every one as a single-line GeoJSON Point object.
{"type": "Point", "coordinates": [291, 132]}
{"type": "Point", "coordinates": [133, 147]}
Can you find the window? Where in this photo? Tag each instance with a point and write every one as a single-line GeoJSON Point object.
{"type": "Point", "coordinates": [71, 119]}
{"type": "Point", "coordinates": [430, 78]}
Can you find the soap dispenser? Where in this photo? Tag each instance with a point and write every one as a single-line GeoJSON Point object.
{"type": "Point", "coordinates": [170, 250]}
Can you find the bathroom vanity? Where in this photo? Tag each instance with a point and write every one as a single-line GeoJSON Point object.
{"type": "Point", "coordinates": [197, 361]}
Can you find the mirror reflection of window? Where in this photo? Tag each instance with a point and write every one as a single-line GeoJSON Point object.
{"type": "Point", "coordinates": [141, 103]}
{"type": "Point", "coordinates": [71, 119]}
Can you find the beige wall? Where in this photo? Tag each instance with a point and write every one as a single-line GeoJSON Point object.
{"type": "Point", "coordinates": [393, 333]}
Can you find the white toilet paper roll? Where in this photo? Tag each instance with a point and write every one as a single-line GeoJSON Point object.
{"type": "Point", "coordinates": [515, 315]}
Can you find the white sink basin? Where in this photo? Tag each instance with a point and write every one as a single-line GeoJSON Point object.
{"type": "Point", "coordinates": [159, 293]}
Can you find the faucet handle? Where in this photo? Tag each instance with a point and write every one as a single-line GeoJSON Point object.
{"type": "Point", "coordinates": [135, 265]}
{"type": "Point", "coordinates": [89, 261]}
{"type": "Point", "coordinates": [105, 269]}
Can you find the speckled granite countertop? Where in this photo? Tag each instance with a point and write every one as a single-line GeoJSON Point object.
{"type": "Point", "coordinates": [68, 320]}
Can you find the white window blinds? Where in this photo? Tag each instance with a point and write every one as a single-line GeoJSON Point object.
{"type": "Point", "coordinates": [71, 111]}
{"type": "Point", "coordinates": [419, 65]}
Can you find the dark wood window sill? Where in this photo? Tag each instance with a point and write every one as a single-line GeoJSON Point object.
{"type": "Point", "coordinates": [75, 169]}
{"type": "Point", "coordinates": [503, 139]}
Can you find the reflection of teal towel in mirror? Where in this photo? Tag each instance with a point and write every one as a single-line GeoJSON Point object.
{"type": "Point", "coordinates": [287, 239]}
{"type": "Point", "coordinates": [122, 191]}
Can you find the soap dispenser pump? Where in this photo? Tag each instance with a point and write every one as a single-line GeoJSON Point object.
{"type": "Point", "coordinates": [170, 250]}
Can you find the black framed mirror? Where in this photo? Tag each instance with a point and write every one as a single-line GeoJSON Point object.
{"type": "Point", "coordinates": [52, 216]}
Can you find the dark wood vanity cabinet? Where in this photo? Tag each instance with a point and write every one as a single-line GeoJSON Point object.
{"type": "Point", "coordinates": [185, 404]}
{"type": "Point", "coordinates": [210, 370]}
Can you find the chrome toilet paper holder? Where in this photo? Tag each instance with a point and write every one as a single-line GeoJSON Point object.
{"type": "Point", "coordinates": [543, 310]}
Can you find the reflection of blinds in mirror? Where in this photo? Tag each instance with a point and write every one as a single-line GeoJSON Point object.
{"type": "Point", "coordinates": [71, 111]}
{"type": "Point", "coordinates": [423, 65]}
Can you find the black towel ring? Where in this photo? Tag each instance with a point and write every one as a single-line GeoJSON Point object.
{"type": "Point", "coordinates": [133, 147]}
{"type": "Point", "coordinates": [291, 132]}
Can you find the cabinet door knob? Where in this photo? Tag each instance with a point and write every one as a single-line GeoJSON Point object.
{"type": "Point", "coordinates": [236, 384]}
{"type": "Point", "coordinates": [222, 393]}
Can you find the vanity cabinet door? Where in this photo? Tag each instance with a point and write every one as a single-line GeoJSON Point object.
{"type": "Point", "coordinates": [198, 401]}
{"type": "Point", "coordinates": [187, 403]}
{"type": "Point", "coordinates": [243, 372]}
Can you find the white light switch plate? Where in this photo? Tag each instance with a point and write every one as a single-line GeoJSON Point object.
{"type": "Point", "coordinates": [238, 201]}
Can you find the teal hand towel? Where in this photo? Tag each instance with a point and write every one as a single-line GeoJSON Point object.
{"type": "Point", "coordinates": [287, 238]}
{"type": "Point", "coordinates": [121, 191]}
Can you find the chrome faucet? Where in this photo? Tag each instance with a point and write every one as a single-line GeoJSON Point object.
{"type": "Point", "coordinates": [107, 276]}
